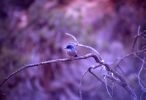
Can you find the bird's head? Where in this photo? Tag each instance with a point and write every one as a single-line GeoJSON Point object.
{"type": "Point", "coordinates": [70, 46]}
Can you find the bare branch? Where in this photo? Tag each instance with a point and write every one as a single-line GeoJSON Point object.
{"type": "Point", "coordinates": [90, 71]}
{"type": "Point", "coordinates": [139, 34]}
{"type": "Point", "coordinates": [123, 82]}
{"type": "Point", "coordinates": [139, 78]}
{"type": "Point", "coordinates": [73, 37]}
{"type": "Point", "coordinates": [129, 54]}
{"type": "Point", "coordinates": [81, 81]}
{"type": "Point", "coordinates": [135, 38]}
{"type": "Point", "coordinates": [105, 83]}
{"type": "Point", "coordinates": [94, 50]}
{"type": "Point", "coordinates": [44, 63]}
{"type": "Point", "coordinates": [106, 86]}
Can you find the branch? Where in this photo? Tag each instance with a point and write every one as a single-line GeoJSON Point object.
{"type": "Point", "coordinates": [123, 82]}
{"type": "Point", "coordinates": [73, 37]}
{"type": "Point", "coordinates": [106, 86]}
{"type": "Point", "coordinates": [44, 63]}
{"type": "Point", "coordinates": [139, 78]}
{"type": "Point", "coordinates": [139, 34]}
{"type": "Point", "coordinates": [129, 54]}
{"type": "Point", "coordinates": [90, 71]}
{"type": "Point", "coordinates": [104, 83]}
{"type": "Point", "coordinates": [81, 82]}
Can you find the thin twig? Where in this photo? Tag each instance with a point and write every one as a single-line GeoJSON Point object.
{"type": "Point", "coordinates": [139, 34]}
{"type": "Point", "coordinates": [135, 38]}
{"type": "Point", "coordinates": [80, 86]}
{"type": "Point", "coordinates": [139, 78]}
{"type": "Point", "coordinates": [92, 49]}
{"type": "Point", "coordinates": [105, 83]}
{"type": "Point", "coordinates": [129, 54]}
{"type": "Point", "coordinates": [73, 37]}
{"type": "Point", "coordinates": [81, 81]}
{"type": "Point", "coordinates": [90, 71]}
{"type": "Point", "coordinates": [106, 86]}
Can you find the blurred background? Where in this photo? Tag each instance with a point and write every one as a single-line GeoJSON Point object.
{"type": "Point", "coordinates": [32, 31]}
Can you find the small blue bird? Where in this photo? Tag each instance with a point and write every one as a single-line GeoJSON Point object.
{"type": "Point", "coordinates": [71, 50]}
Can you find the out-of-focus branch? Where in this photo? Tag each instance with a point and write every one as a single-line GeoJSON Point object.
{"type": "Point", "coordinates": [103, 82]}
{"type": "Point", "coordinates": [139, 78]}
{"type": "Point", "coordinates": [106, 86]}
{"type": "Point", "coordinates": [139, 34]}
{"type": "Point", "coordinates": [129, 54]}
{"type": "Point", "coordinates": [135, 38]}
{"type": "Point", "coordinates": [88, 70]}
{"type": "Point", "coordinates": [141, 84]}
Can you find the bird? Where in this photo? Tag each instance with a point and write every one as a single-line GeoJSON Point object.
{"type": "Point", "coordinates": [71, 50]}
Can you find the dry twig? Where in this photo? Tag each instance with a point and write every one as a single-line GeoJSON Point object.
{"type": "Point", "coordinates": [139, 34]}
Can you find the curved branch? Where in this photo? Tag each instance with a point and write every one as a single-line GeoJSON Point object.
{"type": "Point", "coordinates": [44, 63]}
{"type": "Point", "coordinates": [73, 37]}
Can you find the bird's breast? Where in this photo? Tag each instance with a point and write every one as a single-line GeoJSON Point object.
{"type": "Point", "coordinates": [71, 53]}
